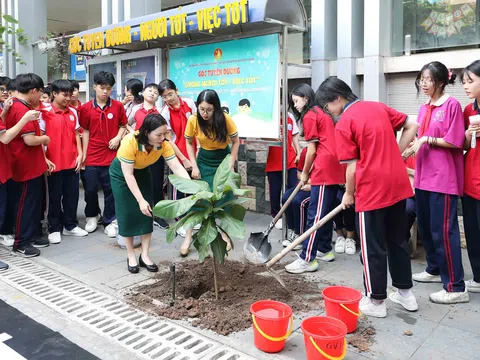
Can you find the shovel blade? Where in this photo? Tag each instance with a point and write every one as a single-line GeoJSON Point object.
{"type": "Point", "coordinates": [257, 249]}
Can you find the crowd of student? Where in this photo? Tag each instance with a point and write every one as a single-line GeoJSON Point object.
{"type": "Point", "coordinates": [352, 158]}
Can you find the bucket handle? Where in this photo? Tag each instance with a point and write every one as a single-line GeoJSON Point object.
{"type": "Point", "coordinates": [324, 354]}
{"type": "Point", "coordinates": [289, 332]}
{"type": "Point", "coordinates": [350, 311]}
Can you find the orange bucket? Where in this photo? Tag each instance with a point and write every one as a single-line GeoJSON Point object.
{"type": "Point", "coordinates": [324, 338]}
{"type": "Point", "coordinates": [343, 303]}
{"type": "Point", "coordinates": [272, 325]}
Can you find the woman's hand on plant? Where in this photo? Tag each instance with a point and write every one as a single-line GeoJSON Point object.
{"type": "Point", "coordinates": [145, 208]}
{"type": "Point", "coordinates": [196, 173]}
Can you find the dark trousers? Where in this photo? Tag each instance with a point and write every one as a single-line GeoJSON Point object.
{"type": "Point", "coordinates": [275, 187]}
{"type": "Point", "coordinates": [63, 193]}
{"type": "Point", "coordinates": [346, 218]}
{"type": "Point", "coordinates": [84, 182]}
{"type": "Point", "coordinates": [95, 176]}
{"type": "Point", "coordinates": [411, 210]}
{"type": "Point", "coordinates": [471, 222]}
{"type": "Point", "coordinates": [7, 207]}
{"type": "Point", "coordinates": [158, 173]}
{"type": "Point", "coordinates": [297, 211]}
{"type": "Point", "coordinates": [322, 200]}
{"type": "Point", "coordinates": [438, 228]}
{"type": "Point", "coordinates": [27, 209]}
{"type": "Point", "coordinates": [382, 237]}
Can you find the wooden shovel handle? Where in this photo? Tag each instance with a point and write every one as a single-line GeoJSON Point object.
{"type": "Point", "coordinates": [305, 235]}
{"type": "Point", "coordinates": [289, 200]}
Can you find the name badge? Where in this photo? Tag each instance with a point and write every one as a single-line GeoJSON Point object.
{"type": "Point", "coordinates": [290, 127]}
{"type": "Point", "coordinates": [188, 114]}
{"type": "Point", "coordinates": [110, 116]}
{"type": "Point", "coordinates": [72, 118]}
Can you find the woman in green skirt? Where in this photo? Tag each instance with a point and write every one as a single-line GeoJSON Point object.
{"type": "Point", "coordinates": [132, 185]}
{"type": "Point", "coordinates": [214, 130]}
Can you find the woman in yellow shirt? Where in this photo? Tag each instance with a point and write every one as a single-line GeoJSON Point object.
{"type": "Point", "coordinates": [132, 185]}
{"type": "Point", "coordinates": [214, 131]}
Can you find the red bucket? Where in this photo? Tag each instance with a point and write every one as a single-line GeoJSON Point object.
{"type": "Point", "coordinates": [324, 338]}
{"type": "Point", "coordinates": [272, 325]}
{"type": "Point", "coordinates": [343, 303]}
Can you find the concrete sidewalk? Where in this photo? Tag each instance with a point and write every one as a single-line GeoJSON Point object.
{"type": "Point", "coordinates": [439, 331]}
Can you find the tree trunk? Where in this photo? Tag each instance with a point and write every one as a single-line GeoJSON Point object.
{"type": "Point", "coordinates": [214, 261]}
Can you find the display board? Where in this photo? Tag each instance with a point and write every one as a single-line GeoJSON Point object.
{"type": "Point", "coordinates": [245, 74]}
{"type": "Point", "coordinates": [105, 66]}
{"type": "Point", "coordinates": [142, 68]}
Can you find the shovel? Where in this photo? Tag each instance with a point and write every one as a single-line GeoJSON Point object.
{"type": "Point", "coordinates": [257, 248]}
{"type": "Point", "coordinates": [298, 241]}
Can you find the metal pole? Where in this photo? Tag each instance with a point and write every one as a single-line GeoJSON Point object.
{"type": "Point", "coordinates": [284, 120]}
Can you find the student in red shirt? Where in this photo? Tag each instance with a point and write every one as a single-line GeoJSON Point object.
{"type": "Point", "coordinates": [28, 165]}
{"type": "Point", "coordinates": [46, 95]}
{"type": "Point", "coordinates": [60, 123]}
{"type": "Point", "coordinates": [4, 80]}
{"type": "Point", "coordinates": [471, 197]}
{"type": "Point", "coordinates": [132, 101]}
{"type": "Point", "coordinates": [378, 185]}
{"type": "Point", "coordinates": [327, 174]}
{"type": "Point", "coordinates": [274, 168]}
{"type": "Point", "coordinates": [103, 120]}
{"type": "Point", "coordinates": [74, 100]}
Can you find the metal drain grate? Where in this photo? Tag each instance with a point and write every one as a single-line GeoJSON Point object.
{"type": "Point", "coordinates": [147, 336]}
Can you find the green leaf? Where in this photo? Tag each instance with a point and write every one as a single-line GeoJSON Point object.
{"type": "Point", "coordinates": [222, 174]}
{"type": "Point", "coordinates": [170, 209]}
{"type": "Point", "coordinates": [194, 218]}
{"type": "Point", "coordinates": [172, 230]}
{"type": "Point", "coordinates": [10, 19]}
{"type": "Point", "coordinates": [237, 211]}
{"type": "Point", "coordinates": [2, 29]}
{"type": "Point", "coordinates": [204, 195]}
{"type": "Point", "coordinates": [208, 232]}
{"type": "Point", "coordinates": [203, 251]}
{"type": "Point", "coordinates": [235, 179]}
{"type": "Point", "coordinates": [241, 192]}
{"type": "Point", "coordinates": [233, 227]}
{"type": "Point", "coordinates": [20, 30]}
{"type": "Point", "coordinates": [188, 186]}
{"type": "Point", "coordinates": [219, 249]}
{"type": "Point", "coordinates": [238, 201]}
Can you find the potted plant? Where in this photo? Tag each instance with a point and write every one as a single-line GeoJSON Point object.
{"type": "Point", "coordinates": [208, 208]}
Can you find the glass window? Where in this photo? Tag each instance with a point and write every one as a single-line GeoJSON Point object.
{"type": "Point", "coordinates": [431, 24]}
{"type": "Point", "coordinates": [106, 66]}
{"type": "Point", "coordinates": [299, 43]}
{"type": "Point", "coordinates": [142, 68]}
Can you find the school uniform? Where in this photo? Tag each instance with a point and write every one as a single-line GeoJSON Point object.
{"type": "Point", "coordinates": [177, 119]}
{"type": "Point", "coordinates": [103, 125]}
{"type": "Point", "coordinates": [274, 168]}
{"type": "Point", "coordinates": [471, 198]}
{"type": "Point", "coordinates": [28, 166]}
{"type": "Point", "coordinates": [411, 206]}
{"type": "Point", "coordinates": [346, 218]}
{"type": "Point", "coordinates": [439, 181]}
{"type": "Point", "coordinates": [131, 221]}
{"type": "Point", "coordinates": [7, 193]}
{"type": "Point", "coordinates": [325, 178]}
{"type": "Point", "coordinates": [297, 211]}
{"type": "Point", "coordinates": [365, 132]}
{"type": "Point", "coordinates": [63, 184]}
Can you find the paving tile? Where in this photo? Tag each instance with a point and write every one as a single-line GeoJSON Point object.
{"type": "Point", "coordinates": [87, 265]}
{"type": "Point", "coordinates": [468, 320]}
{"type": "Point", "coordinates": [126, 281]}
{"type": "Point", "coordinates": [430, 353]}
{"type": "Point", "coordinates": [107, 274]}
{"type": "Point", "coordinates": [70, 257]}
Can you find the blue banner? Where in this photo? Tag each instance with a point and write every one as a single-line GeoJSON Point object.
{"type": "Point", "coordinates": [245, 74]}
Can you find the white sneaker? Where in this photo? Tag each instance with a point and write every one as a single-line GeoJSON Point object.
{"type": "Point", "coordinates": [115, 223]}
{"type": "Point", "coordinates": [279, 224]}
{"type": "Point", "coordinates": [472, 286]}
{"type": "Point", "coordinates": [197, 227]}
{"type": "Point", "coordinates": [182, 232]}
{"type": "Point", "coordinates": [367, 307]}
{"type": "Point", "coordinates": [7, 240]}
{"type": "Point", "coordinates": [111, 230]}
{"type": "Point", "coordinates": [55, 238]}
{"type": "Point", "coordinates": [444, 297]}
{"type": "Point", "coordinates": [291, 237]}
{"type": "Point", "coordinates": [92, 223]}
{"type": "Point", "coordinates": [300, 266]}
{"type": "Point", "coordinates": [409, 302]}
{"type": "Point", "coordinates": [350, 247]}
{"type": "Point", "coordinates": [425, 277]}
{"type": "Point", "coordinates": [340, 245]}
{"type": "Point", "coordinates": [76, 231]}
{"type": "Point", "coordinates": [327, 257]}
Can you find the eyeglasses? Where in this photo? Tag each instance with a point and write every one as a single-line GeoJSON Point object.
{"type": "Point", "coordinates": [205, 111]}
{"type": "Point", "coordinates": [420, 82]}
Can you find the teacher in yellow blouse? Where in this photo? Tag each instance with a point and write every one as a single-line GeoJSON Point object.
{"type": "Point", "coordinates": [132, 185]}
{"type": "Point", "coordinates": [214, 131]}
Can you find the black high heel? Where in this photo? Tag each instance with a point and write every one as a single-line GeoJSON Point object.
{"type": "Point", "coordinates": [133, 269]}
{"type": "Point", "coordinates": [151, 268]}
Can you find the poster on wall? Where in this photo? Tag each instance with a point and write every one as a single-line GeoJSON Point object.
{"type": "Point", "coordinates": [107, 66]}
{"type": "Point", "coordinates": [245, 74]}
{"type": "Point", "coordinates": [142, 68]}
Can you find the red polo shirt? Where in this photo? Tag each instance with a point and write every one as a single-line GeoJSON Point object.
{"type": "Point", "coordinates": [472, 158]}
{"type": "Point", "coordinates": [28, 162]}
{"type": "Point", "coordinates": [103, 125]}
{"type": "Point", "coordinates": [365, 132]}
{"type": "Point", "coordinates": [177, 119]}
{"type": "Point", "coordinates": [5, 169]}
{"type": "Point", "coordinates": [141, 114]}
{"type": "Point", "coordinates": [319, 128]}
{"type": "Point", "coordinates": [61, 126]}
{"type": "Point", "coordinates": [275, 153]}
